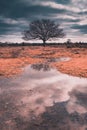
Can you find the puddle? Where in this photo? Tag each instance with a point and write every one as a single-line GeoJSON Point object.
{"type": "Point", "coordinates": [58, 59]}
{"type": "Point", "coordinates": [40, 89]}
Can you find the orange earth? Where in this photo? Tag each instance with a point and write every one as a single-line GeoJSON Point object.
{"type": "Point", "coordinates": [13, 59]}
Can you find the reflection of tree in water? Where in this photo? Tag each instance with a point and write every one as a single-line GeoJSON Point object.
{"type": "Point", "coordinates": [44, 67]}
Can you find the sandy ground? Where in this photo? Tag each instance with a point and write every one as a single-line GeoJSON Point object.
{"type": "Point", "coordinates": [12, 59]}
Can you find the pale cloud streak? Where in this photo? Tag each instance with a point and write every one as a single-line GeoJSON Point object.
{"type": "Point", "coordinates": [55, 5]}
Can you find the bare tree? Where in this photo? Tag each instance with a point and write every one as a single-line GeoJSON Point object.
{"type": "Point", "coordinates": [44, 30]}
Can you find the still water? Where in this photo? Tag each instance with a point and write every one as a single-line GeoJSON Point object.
{"type": "Point", "coordinates": [45, 93]}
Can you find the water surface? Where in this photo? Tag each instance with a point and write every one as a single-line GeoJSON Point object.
{"type": "Point", "coordinates": [37, 93]}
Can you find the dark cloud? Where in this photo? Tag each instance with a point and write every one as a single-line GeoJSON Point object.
{"type": "Point", "coordinates": [15, 9]}
{"type": "Point", "coordinates": [8, 6]}
{"type": "Point", "coordinates": [16, 14]}
{"type": "Point", "coordinates": [63, 1]}
{"type": "Point", "coordinates": [18, 10]}
{"type": "Point", "coordinates": [81, 28]}
{"type": "Point", "coordinates": [83, 13]}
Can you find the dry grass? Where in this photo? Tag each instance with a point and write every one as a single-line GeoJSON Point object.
{"type": "Point", "coordinates": [12, 59]}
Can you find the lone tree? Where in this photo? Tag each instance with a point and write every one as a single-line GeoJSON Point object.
{"type": "Point", "coordinates": [44, 30]}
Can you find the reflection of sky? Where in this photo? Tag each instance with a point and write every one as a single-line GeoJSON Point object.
{"type": "Point", "coordinates": [41, 91]}
{"type": "Point", "coordinates": [47, 87]}
{"type": "Point", "coordinates": [15, 16]}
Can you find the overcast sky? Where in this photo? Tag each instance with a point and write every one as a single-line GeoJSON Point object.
{"type": "Point", "coordinates": [15, 16]}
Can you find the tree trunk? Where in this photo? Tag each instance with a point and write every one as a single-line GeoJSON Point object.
{"type": "Point", "coordinates": [44, 43]}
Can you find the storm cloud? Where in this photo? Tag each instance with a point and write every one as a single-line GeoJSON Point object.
{"type": "Point", "coordinates": [15, 16]}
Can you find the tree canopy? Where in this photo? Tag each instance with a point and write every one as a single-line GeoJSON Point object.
{"type": "Point", "coordinates": [44, 30]}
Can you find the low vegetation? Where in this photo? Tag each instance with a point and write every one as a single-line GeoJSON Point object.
{"type": "Point", "coordinates": [12, 59]}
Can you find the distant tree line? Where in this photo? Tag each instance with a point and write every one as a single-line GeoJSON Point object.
{"type": "Point", "coordinates": [67, 44]}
